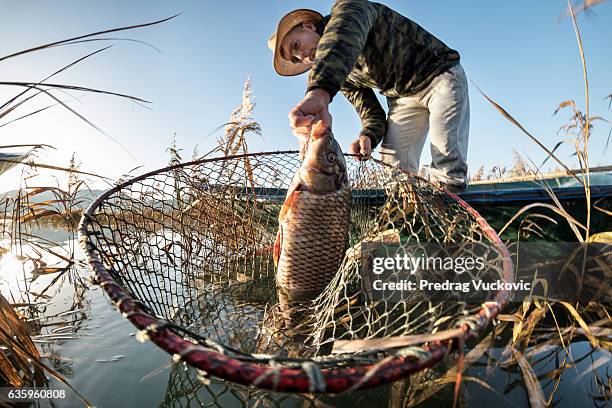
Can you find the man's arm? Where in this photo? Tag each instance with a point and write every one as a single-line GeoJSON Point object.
{"type": "Point", "coordinates": [343, 40]}
{"type": "Point", "coordinates": [373, 117]}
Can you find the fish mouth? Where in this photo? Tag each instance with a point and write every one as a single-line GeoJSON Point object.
{"type": "Point", "coordinates": [313, 170]}
{"type": "Point", "coordinates": [319, 171]}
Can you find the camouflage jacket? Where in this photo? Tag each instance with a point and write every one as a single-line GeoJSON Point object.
{"type": "Point", "coordinates": [367, 45]}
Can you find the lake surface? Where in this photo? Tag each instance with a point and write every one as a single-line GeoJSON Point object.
{"type": "Point", "coordinates": [98, 353]}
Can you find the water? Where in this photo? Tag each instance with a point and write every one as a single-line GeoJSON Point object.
{"type": "Point", "coordinates": [111, 368]}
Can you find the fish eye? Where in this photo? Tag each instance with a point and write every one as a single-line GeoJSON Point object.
{"type": "Point", "coordinates": [332, 157]}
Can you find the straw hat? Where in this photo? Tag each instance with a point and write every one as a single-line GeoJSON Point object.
{"type": "Point", "coordinates": [290, 20]}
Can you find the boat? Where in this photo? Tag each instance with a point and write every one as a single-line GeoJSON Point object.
{"type": "Point", "coordinates": [500, 199]}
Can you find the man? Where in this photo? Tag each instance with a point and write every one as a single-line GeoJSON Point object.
{"type": "Point", "coordinates": [361, 46]}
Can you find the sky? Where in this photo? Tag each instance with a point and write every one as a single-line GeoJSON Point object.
{"type": "Point", "coordinates": [520, 53]}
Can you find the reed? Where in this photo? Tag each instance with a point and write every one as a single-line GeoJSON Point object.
{"type": "Point", "coordinates": [539, 330]}
{"type": "Point", "coordinates": [20, 361]}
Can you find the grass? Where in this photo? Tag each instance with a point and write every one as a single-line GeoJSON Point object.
{"type": "Point", "coordinates": [20, 362]}
{"type": "Point", "coordinates": [528, 334]}
{"type": "Point", "coordinates": [60, 206]}
{"type": "Point", "coordinates": [536, 333]}
{"type": "Point", "coordinates": [537, 323]}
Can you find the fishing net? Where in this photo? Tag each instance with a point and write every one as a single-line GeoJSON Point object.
{"type": "Point", "coordinates": [185, 252]}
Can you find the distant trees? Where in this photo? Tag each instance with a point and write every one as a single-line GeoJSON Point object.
{"type": "Point", "coordinates": [520, 168]}
{"type": "Point", "coordinates": [479, 174]}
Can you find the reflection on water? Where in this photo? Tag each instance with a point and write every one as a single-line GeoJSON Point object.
{"type": "Point", "coordinates": [83, 337]}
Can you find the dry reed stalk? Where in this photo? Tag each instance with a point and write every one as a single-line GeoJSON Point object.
{"type": "Point", "coordinates": [15, 367]}
{"type": "Point", "coordinates": [20, 362]}
{"type": "Point", "coordinates": [534, 390]}
{"type": "Point", "coordinates": [530, 320]}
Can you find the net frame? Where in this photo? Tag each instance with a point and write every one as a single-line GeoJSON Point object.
{"type": "Point", "coordinates": [297, 374]}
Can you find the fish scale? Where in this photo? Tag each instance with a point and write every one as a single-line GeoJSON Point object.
{"type": "Point", "coordinates": [314, 221]}
{"type": "Point", "coordinates": [314, 239]}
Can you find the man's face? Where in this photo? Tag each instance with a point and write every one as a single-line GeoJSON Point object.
{"type": "Point", "coordinates": [300, 44]}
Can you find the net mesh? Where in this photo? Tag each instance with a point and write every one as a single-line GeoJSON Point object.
{"type": "Point", "coordinates": [186, 252]}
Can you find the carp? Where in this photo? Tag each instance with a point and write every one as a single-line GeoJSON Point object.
{"type": "Point", "coordinates": [314, 220]}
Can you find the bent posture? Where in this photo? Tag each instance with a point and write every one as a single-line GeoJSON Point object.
{"type": "Point", "coordinates": [362, 46]}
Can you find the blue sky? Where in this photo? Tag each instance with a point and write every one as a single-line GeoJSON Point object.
{"type": "Point", "coordinates": [517, 52]}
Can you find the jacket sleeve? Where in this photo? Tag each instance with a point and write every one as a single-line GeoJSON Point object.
{"type": "Point", "coordinates": [342, 41]}
{"type": "Point", "coordinates": [373, 116]}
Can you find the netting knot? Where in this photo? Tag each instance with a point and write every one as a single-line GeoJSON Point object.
{"type": "Point", "coordinates": [315, 377]}
{"type": "Point", "coordinates": [216, 346]}
{"type": "Point", "coordinates": [472, 323]}
{"type": "Point", "coordinates": [204, 377]}
{"type": "Point", "coordinates": [143, 335]}
{"type": "Point", "coordinates": [273, 372]}
{"type": "Point", "coordinates": [490, 309]}
{"type": "Point", "coordinates": [93, 280]}
{"type": "Point", "coordinates": [177, 357]}
{"type": "Point", "coordinates": [417, 352]}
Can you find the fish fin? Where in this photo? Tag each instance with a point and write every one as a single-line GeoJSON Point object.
{"type": "Point", "coordinates": [277, 245]}
{"type": "Point", "coordinates": [292, 196]}
{"type": "Point", "coordinates": [318, 130]}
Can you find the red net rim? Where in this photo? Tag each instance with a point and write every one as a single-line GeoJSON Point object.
{"type": "Point", "coordinates": [267, 376]}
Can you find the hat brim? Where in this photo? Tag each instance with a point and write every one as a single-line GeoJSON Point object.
{"type": "Point", "coordinates": [290, 20]}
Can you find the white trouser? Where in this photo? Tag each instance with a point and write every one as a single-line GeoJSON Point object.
{"type": "Point", "coordinates": [443, 109]}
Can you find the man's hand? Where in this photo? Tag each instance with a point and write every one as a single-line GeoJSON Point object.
{"type": "Point", "coordinates": [312, 108]}
{"type": "Point", "coordinates": [362, 146]}
{"type": "Point", "coordinates": [313, 105]}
